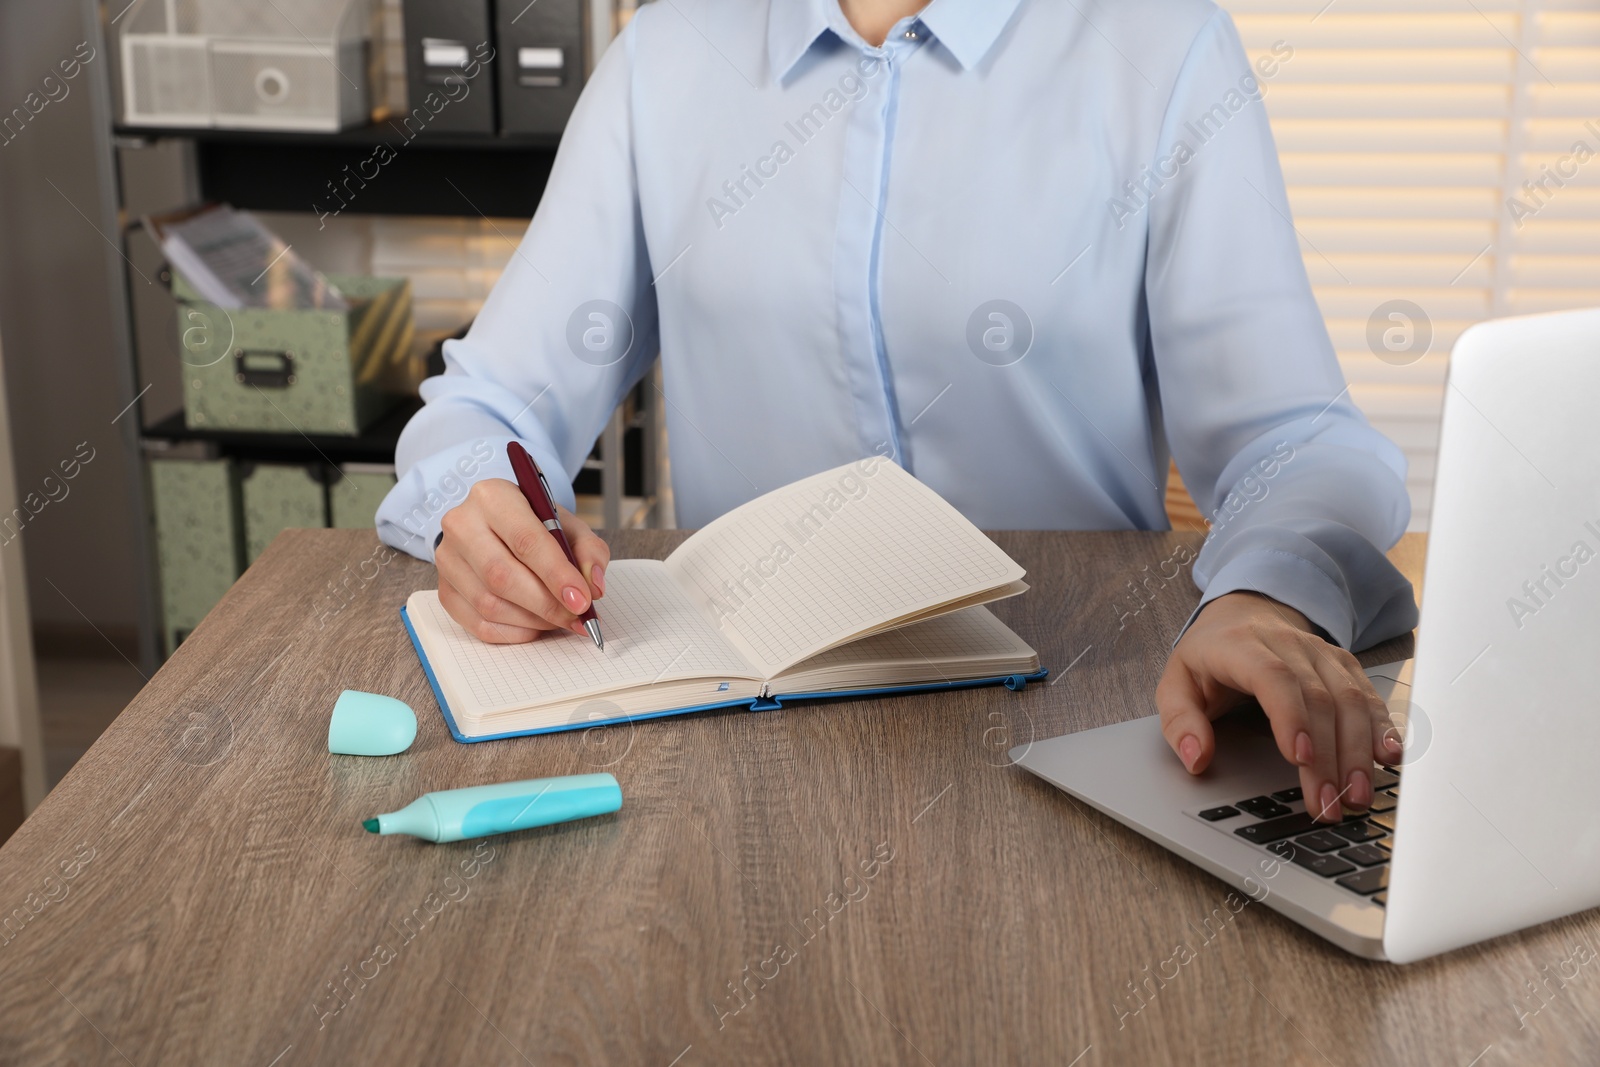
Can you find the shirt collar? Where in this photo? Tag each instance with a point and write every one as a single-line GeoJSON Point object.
{"type": "Point", "coordinates": [793, 26]}
{"type": "Point", "coordinates": [966, 28]}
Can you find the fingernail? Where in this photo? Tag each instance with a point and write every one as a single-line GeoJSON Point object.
{"type": "Point", "coordinates": [573, 597]}
{"type": "Point", "coordinates": [1302, 749]}
{"type": "Point", "coordinates": [1360, 789]}
{"type": "Point", "coordinates": [1329, 808]}
{"type": "Point", "coordinates": [1391, 744]}
{"type": "Point", "coordinates": [1189, 751]}
{"type": "Point", "coordinates": [597, 578]}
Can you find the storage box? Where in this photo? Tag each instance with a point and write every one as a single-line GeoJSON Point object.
{"type": "Point", "coordinates": [213, 517]}
{"type": "Point", "coordinates": [279, 497]}
{"type": "Point", "coordinates": [446, 42]}
{"type": "Point", "coordinates": [166, 80]}
{"type": "Point", "coordinates": [540, 64]}
{"type": "Point", "coordinates": [273, 85]}
{"type": "Point", "coordinates": [353, 500]}
{"type": "Point", "coordinates": [310, 372]}
{"type": "Point", "coordinates": [197, 522]}
{"type": "Point", "coordinates": [285, 65]}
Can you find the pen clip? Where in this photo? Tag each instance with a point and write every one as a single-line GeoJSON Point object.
{"type": "Point", "coordinates": [548, 495]}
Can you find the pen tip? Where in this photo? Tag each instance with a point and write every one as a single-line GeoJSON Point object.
{"type": "Point", "coordinates": [594, 632]}
{"type": "Point", "coordinates": [371, 825]}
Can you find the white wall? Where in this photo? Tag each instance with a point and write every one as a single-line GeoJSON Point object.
{"type": "Point", "coordinates": [60, 326]}
{"type": "Point", "coordinates": [19, 696]}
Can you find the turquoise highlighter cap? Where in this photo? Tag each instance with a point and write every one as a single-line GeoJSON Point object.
{"type": "Point", "coordinates": [367, 724]}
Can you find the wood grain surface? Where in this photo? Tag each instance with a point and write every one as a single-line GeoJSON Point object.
{"type": "Point", "coordinates": [852, 882]}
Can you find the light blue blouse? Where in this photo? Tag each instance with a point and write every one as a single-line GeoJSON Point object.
{"type": "Point", "coordinates": [1025, 248]}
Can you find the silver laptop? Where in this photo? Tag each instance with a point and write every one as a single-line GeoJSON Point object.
{"type": "Point", "coordinates": [1492, 822]}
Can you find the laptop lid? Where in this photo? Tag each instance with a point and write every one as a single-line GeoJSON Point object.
{"type": "Point", "coordinates": [1499, 818]}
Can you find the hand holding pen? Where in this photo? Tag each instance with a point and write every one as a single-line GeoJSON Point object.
{"type": "Point", "coordinates": [505, 577]}
{"type": "Point", "coordinates": [530, 479]}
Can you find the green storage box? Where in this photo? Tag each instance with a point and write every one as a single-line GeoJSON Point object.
{"type": "Point", "coordinates": [279, 497]}
{"type": "Point", "coordinates": [312, 372]}
{"type": "Point", "coordinates": [353, 500]}
{"type": "Point", "coordinates": [213, 517]}
{"type": "Point", "coordinates": [197, 523]}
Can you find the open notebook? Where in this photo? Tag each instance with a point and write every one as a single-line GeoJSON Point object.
{"type": "Point", "coordinates": [860, 579]}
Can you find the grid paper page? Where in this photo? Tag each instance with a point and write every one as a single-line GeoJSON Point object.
{"type": "Point", "coordinates": [652, 634]}
{"type": "Point", "coordinates": [968, 633]}
{"type": "Point", "coordinates": [831, 556]}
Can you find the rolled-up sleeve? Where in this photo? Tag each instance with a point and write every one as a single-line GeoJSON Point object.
{"type": "Point", "coordinates": [1305, 495]}
{"type": "Point", "coordinates": [569, 328]}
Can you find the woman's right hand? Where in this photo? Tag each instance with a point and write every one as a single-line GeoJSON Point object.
{"type": "Point", "coordinates": [504, 577]}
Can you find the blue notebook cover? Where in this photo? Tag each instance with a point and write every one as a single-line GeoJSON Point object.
{"type": "Point", "coordinates": [772, 703]}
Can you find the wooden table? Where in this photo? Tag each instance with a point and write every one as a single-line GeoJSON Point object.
{"type": "Point", "coordinates": [225, 906]}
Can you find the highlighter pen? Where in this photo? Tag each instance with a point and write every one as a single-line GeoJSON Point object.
{"type": "Point", "coordinates": [457, 814]}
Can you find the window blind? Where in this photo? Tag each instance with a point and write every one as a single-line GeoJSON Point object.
{"type": "Point", "coordinates": [1407, 129]}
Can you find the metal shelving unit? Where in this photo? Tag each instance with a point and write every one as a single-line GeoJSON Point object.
{"type": "Point", "coordinates": [434, 173]}
{"type": "Point", "coordinates": [429, 173]}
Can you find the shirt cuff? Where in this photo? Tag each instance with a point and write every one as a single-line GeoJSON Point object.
{"type": "Point", "coordinates": [411, 516]}
{"type": "Point", "coordinates": [1291, 580]}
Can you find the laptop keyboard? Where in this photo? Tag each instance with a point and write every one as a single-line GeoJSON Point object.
{"type": "Point", "coordinates": [1353, 854]}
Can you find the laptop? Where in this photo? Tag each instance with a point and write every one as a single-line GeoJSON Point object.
{"type": "Point", "coordinates": [1491, 821]}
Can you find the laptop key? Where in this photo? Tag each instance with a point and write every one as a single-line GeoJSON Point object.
{"type": "Point", "coordinates": [1262, 807]}
{"type": "Point", "coordinates": [1386, 845]}
{"type": "Point", "coordinates": [1226, 811]}
{"type": "Point", "coordinates": [1365, 855]}
{"type": "Point", "coordinates": [1288, 796]}
{"type": "Point", "coordinates": [1368, 881]}
{"type": "Point", "coordinates": [1322, 841]}
{"type": "Point", "coordinates": [1385, 820]}
{"type": "Point", "coordinates": [1263, 833]}
{"type": "Point", "coordinates": [1383, 778]}
{"type": "Point", "coordinates": [1383, 802]}
{"type": "Point", "coordinates": [1381, 899]}
{"type": "Point", "coordinates": [1358, 831]}
{"type": "Point", "coordinates": [1329, 866]}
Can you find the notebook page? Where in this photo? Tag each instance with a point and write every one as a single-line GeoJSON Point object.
{"type": "Point", "coordinates": [969, 634]}
{"type": "Point", "coordinates": [833, 555]}
{"type": "Point", "coordinates": [652, 633]}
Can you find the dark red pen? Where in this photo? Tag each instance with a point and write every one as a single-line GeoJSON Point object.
{"type": "Point", "coordinates": [530, 479]}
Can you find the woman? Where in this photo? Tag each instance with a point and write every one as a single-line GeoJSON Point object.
{"type": "Point", "coordinates": [1024, 248]}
